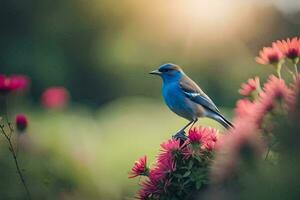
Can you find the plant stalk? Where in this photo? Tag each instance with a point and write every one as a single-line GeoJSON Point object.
{"type": "Point", "coordinates": [14, 155]}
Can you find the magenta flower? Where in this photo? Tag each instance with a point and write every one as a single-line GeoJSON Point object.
{"type": "Point", "coordinates": [149, 190]}
{"type": "Point", "coordinates": [195, 135]}
{"type": "Point", "coordinates": [140, 168]}
{"type": "Point", "coordinates": [171, 145]}
{"type": "Point", "coordinates": [204, 137]}
{"type": "Point", "coordinates": [166, 159]}
{"type": "Point", "coordinates": [19, 82]}
{"type": "Point", "coordinates": [169, 148]}
{"type": "Point", "coordinates": [13, 83]}
{"type": "Point", "coordinates": [157, 173]}
{"type": "Point", "coordinates": [55, 97]}
{"type": "Point", "coordinates": [251, 86]}
{"type": "Point", "coordinates": [21, 122]}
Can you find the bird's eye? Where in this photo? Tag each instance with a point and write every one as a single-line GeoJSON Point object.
{"type": "Point", "coordinates": [166, 70]}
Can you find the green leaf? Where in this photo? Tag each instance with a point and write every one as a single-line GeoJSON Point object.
{"type": "Point", "coordinates": [186, 174]}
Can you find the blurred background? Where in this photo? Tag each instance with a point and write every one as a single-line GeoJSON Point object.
{"type": "Point", "coordinates": [101, 51]}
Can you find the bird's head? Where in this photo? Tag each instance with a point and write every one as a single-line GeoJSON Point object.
{"type": "Point", "coordinates": [168, 72]}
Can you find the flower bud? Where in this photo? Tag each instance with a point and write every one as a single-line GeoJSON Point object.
{"type": "Point", "coordinates": [21, 122]}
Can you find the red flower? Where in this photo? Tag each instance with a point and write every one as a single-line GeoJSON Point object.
{"type": "Point", "coordinates": [249, 87]}
{"type": "Point", "coordinates": [21, 122]}
{"type": "Point", "coordinates": [140, 168]}
{"type": "Point", "coordinates": [290, 47]}
{"type": "Point", "coordinates": [55, 97]}
{"type": "Point", "coordinates": [269, 55]}
{"type": "Point", "coordinates": [13, 83]}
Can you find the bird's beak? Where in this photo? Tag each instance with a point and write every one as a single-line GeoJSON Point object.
{"type": "Point", "coordinates": [155, 72]}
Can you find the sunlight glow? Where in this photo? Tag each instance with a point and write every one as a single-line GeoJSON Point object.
{"type": "Point", "coordinates": [209, 17]}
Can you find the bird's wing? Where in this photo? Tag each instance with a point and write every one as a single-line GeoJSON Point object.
{"type": "Point", "coordinates": [195, 94]}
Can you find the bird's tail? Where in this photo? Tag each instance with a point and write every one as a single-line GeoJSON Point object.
{"type": "Point", "coordinates": [222, 120]}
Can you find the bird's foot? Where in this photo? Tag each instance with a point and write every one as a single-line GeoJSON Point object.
{"type": "Point", "coordinates": [180, 135]}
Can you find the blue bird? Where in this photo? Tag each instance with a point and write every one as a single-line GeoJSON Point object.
{"type": "Point", "coordinates": [185, 98]}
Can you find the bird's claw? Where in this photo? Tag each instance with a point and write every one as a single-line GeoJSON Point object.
{"type": "Point", "coordinates": [180, 135]}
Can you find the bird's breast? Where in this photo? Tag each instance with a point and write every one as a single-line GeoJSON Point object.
{"type": "Point", "coordinates": [179, 103]}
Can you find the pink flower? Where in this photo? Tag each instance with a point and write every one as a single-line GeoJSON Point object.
{"type": "Point", "coordinates": [248, 88]}
{"type": "Point", "coordinates": [166, 159]}
{"type": "Point", "coordinates": [275, 89]}
{"type": "Point", "coordinates": [171, 145]}
{"type": "Point", "coordinates": [13, 83]}
{"type": "Point", "coordinates": [55, 97]}
{"type": "Point", "coordinates": [161, 169]}
{"type": "Point", "coordinates": [149, 191]}
{"type": "Point", "coordinates": [157, 174]}
{"type": "Point", "coordinates": [209, 134]}
{"type": "Point", "coordinates": [202, 134]}
{"type": "Point", "coordinates": [21, 122]}
{"type": "Point", "coordinates": [140, 168]}
{"type": "Point", "coordinates": [205, 136]}
{"type": "Point", "coordinates": [209, 145]}
{"type": "Point", "coordinates": [195, 135]}
{"type": "Point", "coordinates": [290, 47]}
{"type": "Point", "coordinates": [169, 148]}
{"type": "Point", "coordinates": [244, 138]}
{"type": "Point", "coordinates": [244, 108]}
{"type": "Point", "coordinates": [269, 55]}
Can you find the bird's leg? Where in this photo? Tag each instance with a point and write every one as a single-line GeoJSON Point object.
{"type": "Point", "coordinates": [181, 133]}
{"type": "Point", "coordinates": [194, 122]}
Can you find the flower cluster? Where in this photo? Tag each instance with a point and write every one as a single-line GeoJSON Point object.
{"type": "Point", "coordinates": [206, 159]}
{"type": "Point", "coordinates": [280, 51]}
{"type": "Point", "coordinates": [180, 169]}
{"type": "Point", "coordinates": [256, 115]}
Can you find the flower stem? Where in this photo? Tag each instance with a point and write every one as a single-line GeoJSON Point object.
{"type": "Point", "coordinates": [14, 155]}
{"type": "Point", "coordinates": [278, 69]}
{"type": "Point", "coordinates": [267, 154]}
{"type": "Point", "coordinates": [296, 69]}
